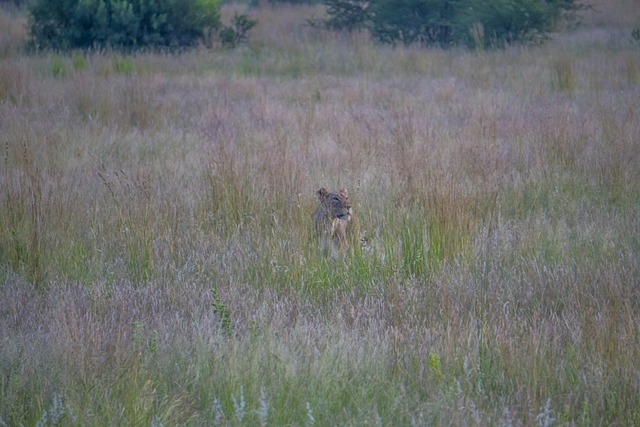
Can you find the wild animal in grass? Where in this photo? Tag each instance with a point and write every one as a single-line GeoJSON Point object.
{"type": "Point", "coordinates": [331, 219]}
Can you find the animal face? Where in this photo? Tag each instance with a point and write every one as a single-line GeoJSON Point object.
{"type": "Point", "coordinates": [337, 204]}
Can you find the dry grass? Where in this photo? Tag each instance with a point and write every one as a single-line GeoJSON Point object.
{"type": "Point", "coordinates": [13, 33]}
{"type": "Point", "coordinates": [157, 256]}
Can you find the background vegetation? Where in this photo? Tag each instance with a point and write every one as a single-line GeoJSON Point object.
{"type": "Point", "coordinates": [157, 264]}
{"type": "Point", "coordinates": [121, 24]}
{"type": "Point", "coordinates": [448, 23]}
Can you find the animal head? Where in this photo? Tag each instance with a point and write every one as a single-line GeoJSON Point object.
{"type": "Point", "coordinates": [337, 204]}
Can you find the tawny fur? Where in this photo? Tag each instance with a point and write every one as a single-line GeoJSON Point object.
{"type": "Point", "coordinates": [331, 219]}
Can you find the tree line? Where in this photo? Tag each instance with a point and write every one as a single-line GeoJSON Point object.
{"type": "Point", "coordinates": [446, 23]}
{"type": "Point", "coordinates": [176, 24]}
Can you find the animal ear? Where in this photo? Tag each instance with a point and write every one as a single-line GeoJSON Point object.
{"type": "Point", "coordinates": [344, 192]}
{"type": "Point", "coordinates": [322, 193]}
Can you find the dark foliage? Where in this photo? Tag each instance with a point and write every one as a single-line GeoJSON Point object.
{"type": "Point", "coordinates": [444, 23]}
{"type": "Point", "coordinates": [121, 24]}
{"type": "Point", "coordinates": [498, 23]}
{"type": "Point", "coordinates": [349, 15]}
{"type": "Point", "coordinates": [429, 22]}
{"type": "Point", "coordinates": [237, 32]}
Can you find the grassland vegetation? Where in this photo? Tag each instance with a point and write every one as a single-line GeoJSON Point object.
{"type": "Point", "coordinates": [158, 262]}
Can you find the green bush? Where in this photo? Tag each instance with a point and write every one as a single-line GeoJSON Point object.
{"type": "Point", "coordinates": [444, 23]}
{"type": "Point", "coordinates": [238, 32]}
{"type": "Point", "coordinates": [428, 22]}
{"type": "Point", "coordinates": [498, 23]}
{"type": "Point", "coordinates": [347, 15]}
{"type": "Point", "coordinates": [121, 24]}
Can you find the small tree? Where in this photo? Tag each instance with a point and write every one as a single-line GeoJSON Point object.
{"type": "Point", "coordinates": [238, 32]}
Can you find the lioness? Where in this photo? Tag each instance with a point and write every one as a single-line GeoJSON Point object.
{"type": "Point", "coordinates": [331, 219]}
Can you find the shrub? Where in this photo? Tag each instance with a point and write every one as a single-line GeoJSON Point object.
{"type": "Point", "coordinates": [121, 24]}
{"type": "Point", "coordinates": [349, 15]}
{"type": "Point", "coordinates": [427, 22]}
{"type": "Point", "coordinates": [237, 32]}
{"type": "Point", "coordinates": [504, 22]}
{"type": "Point", "coordinates": [475, 23]}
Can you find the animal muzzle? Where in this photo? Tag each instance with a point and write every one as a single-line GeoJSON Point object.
{"type": "Point", "coordinates": [345, 216]}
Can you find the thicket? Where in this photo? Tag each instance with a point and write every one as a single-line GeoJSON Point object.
{"type": "Point", "coordinates": [445, 23]}
{"type": "Point", "coordinates": [122, 24]}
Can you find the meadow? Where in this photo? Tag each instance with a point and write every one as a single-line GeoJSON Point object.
{"type": "Point", "coordinates": [157, 258]}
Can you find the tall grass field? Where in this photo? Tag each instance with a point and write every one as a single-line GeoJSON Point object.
{"type": "Point", "coordinates": [158, 263]}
